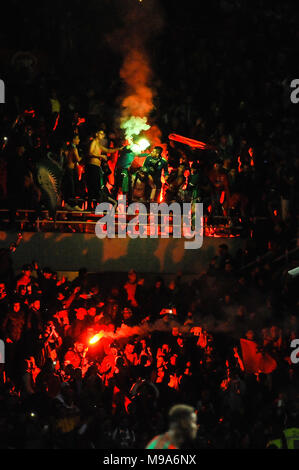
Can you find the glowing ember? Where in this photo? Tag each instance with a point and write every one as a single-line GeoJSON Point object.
{"type": "Point", "coordinates": [56, 122]}
{"type": "Point", "coordinates": [239, 164]}
{"type": "Point", "coordinates": [222, 197]}
{"type": "Point", "coordinates": [96, 338]}
{"type": "Point", "coordinates": [250, 151]}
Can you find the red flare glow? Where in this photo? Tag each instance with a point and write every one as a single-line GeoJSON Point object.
{"type": "Point", "coordinates": [96, 338]}
{"type": "Point", "coordinates": [80, 171]}
{"type": "Point", "coordinates": [56, 122]}
{"type": "Point", "coordinates": [80, 121]}
{"type": "Point", "coordinates": [222, 197]}
{"type": "Point", "coordinates": [250, 151]}
{"type": "Point", "coordinates": [31, 111]}
{"type": "Point", "coordinates": [239, 164]}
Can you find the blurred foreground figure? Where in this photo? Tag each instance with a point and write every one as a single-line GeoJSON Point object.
{"type": "Point", "coordinates": [182, 429]}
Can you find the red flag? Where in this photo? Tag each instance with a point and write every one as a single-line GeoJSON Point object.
{"type": "Point", "coordinates": [191, 142]}
{"type": "Point", "coordinates": [254, 361]}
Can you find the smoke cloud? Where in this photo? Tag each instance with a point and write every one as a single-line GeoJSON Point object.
{"type": "Point", "coordinates": [141, 21]}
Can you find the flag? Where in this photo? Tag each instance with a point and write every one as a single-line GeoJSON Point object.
{"type": "Point", "coordinates": [254, 361]}
{"type": "Point", "coordinates": [191, 142]}
{"type": "Point", "coordinates": [49, 177]}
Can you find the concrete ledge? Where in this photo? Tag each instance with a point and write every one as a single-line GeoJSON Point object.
{"type": "Point", "coordinates": [70, 252]}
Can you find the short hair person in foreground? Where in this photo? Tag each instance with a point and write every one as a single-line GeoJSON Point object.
{"type": "Point", "coordinates": [182, 429]}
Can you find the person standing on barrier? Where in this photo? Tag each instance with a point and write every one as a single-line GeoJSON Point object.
{"type": "Point", "coordinates": [94, 172]}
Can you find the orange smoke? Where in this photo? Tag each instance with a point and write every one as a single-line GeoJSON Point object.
{"type": "Point", "coordinates": [154, 136]}
{"type": "Point", "coordinates": [140, 24]}
{"type": "Point", "coordinates": [136, 73]}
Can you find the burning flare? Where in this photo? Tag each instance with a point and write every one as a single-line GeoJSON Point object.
{"type": "Point", "coordinates": [140, 146]}
{"type": "Point", "coordinates": [96, 338]}
{"type": "Point", "coordinates": [132, 127]}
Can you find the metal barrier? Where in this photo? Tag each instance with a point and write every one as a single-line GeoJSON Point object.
{"type": "Point", "coordinates": [85, 222]}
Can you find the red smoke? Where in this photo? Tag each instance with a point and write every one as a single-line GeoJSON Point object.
{"type": "Point", "coordinates": [154, 136]}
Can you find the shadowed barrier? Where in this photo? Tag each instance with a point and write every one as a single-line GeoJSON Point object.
{"type": "Point", "coordinates": [72, 251]}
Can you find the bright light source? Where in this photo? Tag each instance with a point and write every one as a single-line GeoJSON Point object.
{"type": "Point", "coordinates": [140, 146]}
{"type": "Point", "coordinates": [143, 144]}
{"type": "Point", "coordinates": [96, 338]}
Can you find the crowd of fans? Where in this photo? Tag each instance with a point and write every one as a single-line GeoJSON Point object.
{"type": "Point", "coordinates": [229, 178]}
{"type": "Point", "coordinates": [97, 362]}
{"type": "Point", "coordinates": [252, 165]}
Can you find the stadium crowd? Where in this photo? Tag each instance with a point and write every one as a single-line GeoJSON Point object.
{"type": "Point", "coordinates": [231, 180]}
{"type": "Point", "coordinates": [97, 362]}
{"type": "Point", "coordinates": [67, 118]}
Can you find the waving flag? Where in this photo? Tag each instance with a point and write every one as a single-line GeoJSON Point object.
{"type": "Point", "coordinates": [191, 142]}
{"type": "Point", "coordinates": [255, 361]}
{"type": "Point", "coordinates": [49, 176]}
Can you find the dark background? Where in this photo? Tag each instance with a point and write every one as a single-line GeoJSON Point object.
{"type": "Point", "coordinates": [217, 54]}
